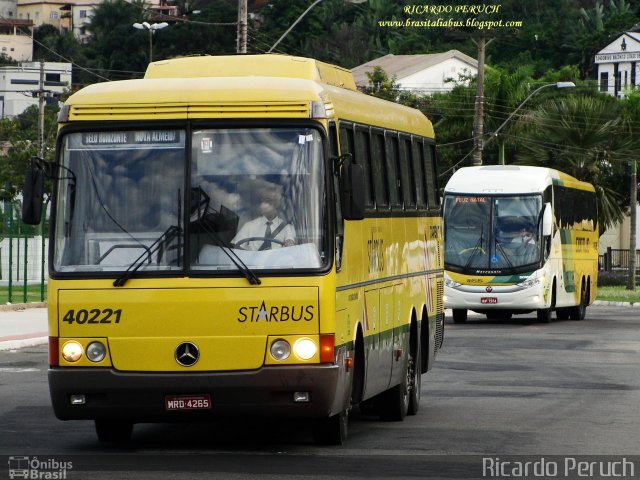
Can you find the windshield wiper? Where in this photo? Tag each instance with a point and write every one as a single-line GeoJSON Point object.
{"type": "Point", "coordinates": [167, 237]}
{"type": "Point", "coordinates": [228, 250]}
{"type": "Point", "coordinates": [506, 257]}
{"type": "Point", "coordinates": [478, 246]}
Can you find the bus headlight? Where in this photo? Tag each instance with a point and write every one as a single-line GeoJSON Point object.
{"type": "Point", "coordinates": [450, 283]}
{"type": "Point", "coordinates": [72, 351]}
{"type": "Point", "coordinates": [305, 348]}
{"type": "Point", "coordinates": [280, 350]}
{"type": "Point", "coordinates": [96, 351]}
{"type": "Point", "coordinates": [531, 282]}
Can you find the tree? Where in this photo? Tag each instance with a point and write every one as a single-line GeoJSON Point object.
{"type": "Point", "coordinates": [585, 136]}
{"type": "Point", "coordinates": [19, 134]}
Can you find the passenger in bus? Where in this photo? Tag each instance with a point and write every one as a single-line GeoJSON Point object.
{"type": "Point", "coordinates": [269, 230]}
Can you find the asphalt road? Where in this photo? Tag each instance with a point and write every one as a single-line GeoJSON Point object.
{"type": "Point", "coordinates": [504, 391]}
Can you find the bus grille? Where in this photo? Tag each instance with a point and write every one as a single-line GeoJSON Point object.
{"type": "Point", "coordinates": [440, 315]}
{"type": "Point", "coordinates": [204, 110]}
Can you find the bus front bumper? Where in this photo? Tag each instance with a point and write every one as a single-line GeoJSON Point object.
{"type": "Point", "coordinates": [478, 298]}
{"type": "Point", "coordinates": [140, 397]}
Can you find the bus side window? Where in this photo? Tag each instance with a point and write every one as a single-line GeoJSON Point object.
{"type": "Point", "coordinates": [362, 156]}
{"type": "Point", "coordinates": [406, 168]}
{"type": "Point", "coordinates": [393, 170]}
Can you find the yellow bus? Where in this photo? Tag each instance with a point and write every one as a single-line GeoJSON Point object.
{"type": "Point", "coordinates": [519, 239]}
{"type": "Point", "coordinates": [240, 235]}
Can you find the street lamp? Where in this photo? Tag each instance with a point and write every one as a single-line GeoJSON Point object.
{"type": "Point", "coordinates": [497, 130]}
{"type": "Point", "coordinates": [152, 27]}
{"type": "Point", "coordinates": [301, 17]}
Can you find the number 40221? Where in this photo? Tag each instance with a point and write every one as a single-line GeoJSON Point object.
{"type": "Point", "coordinates": [94, 315]}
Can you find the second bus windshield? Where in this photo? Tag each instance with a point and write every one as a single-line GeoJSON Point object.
{"type": "Point", "coordinates": [492, 232]}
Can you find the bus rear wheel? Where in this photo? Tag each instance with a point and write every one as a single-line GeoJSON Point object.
{"type": "Point", "coordinates": [578, 312]}
{"type": "Point", "coordinates": [459, 315]}
{"type": "Point", "coordinates": [113, 431]}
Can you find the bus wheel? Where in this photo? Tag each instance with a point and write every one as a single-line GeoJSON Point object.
{"type": "Point", "coordinates": [579, 312]}
{"type": "Point", "coordinates": [394, 403]}
{"type": "Point", "coordinates": [414, 379]}
{"type": "Point", "coordinates": [459, 315]}
{"type": "Point", "coordinates": [544, 315]}
{"type": "Point", "coordinates": [113, 431]}
{"type": "Point", "coordinates": [332, 430]}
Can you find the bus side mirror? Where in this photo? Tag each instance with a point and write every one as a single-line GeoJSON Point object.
{"type": "Point", "coordinates": [352, 191]}
{"type": "Point", "coordinates": [32, 196]}
{"type": "Point", "coordinates": [547, 220]}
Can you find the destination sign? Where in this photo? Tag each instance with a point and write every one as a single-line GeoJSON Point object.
{"type": "Point", "coordinates": [131, 137]}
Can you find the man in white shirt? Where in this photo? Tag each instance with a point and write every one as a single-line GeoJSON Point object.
{"type": "Point", "coordinates": [267, 231]}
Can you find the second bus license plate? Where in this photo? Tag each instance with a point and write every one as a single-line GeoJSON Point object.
{"type": "Point", "coordinates": [490, 300]}
{"type": "Point", "coordinates": [187, 402]}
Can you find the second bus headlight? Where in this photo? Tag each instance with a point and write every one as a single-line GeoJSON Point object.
{"type": "Point", "coordinates": [96, 351]}
{"type": "Point", "coordinates": [280, 350]}
{"type": "Point", "coordinates": [305, 348]}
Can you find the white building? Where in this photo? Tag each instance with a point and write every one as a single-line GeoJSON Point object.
{"type": "Point", "coordinates": [426, 73]}
{"type": "Point", "coordinates": [16, 40]}
{"type": "Point", "coordinates": [18, 84]}
{"type": "Point", "coordinates": [619, 64]}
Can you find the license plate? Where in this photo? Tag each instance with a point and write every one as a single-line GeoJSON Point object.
{"type": "Point", "coordinates": [487, 300]}
{"type": "Point", "coordinates": [187, 402]}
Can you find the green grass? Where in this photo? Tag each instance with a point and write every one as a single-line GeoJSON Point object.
{"type": "Point", "coordinates": [17, 294]}
{"type": "Point", "coordinates": [618, 294]}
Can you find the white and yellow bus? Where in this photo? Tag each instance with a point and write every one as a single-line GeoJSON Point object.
{"type": "Point", "coordinates": [519, 239]}
{"type": "Point", "coordinates": [158, 310]}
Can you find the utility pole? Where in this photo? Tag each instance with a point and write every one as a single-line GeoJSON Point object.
{"type": "Point", "coordinates": [631, 284]}
{"type": "Point", "coordinates": [242, 27]}
{"type": "Point", "coordinates": [478, 121]}
{"type": "Point", "coordinates": [41, 112]}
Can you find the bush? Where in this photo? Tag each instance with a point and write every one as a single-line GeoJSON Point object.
{"type": "Point", "coordinates": [613, 278]}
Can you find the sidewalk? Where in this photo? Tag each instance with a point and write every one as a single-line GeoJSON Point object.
{"type": "Point", "coordinates": [23, 325]}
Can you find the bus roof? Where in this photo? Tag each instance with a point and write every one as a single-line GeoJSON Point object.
{"type": "Point", "coordinates": [510, 179]}
{"type": "Point", "coordinates": [241, 86]}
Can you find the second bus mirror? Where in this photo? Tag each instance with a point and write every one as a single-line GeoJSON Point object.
{"type": "Point", "coordinates": [32, 196]}
{"type": "Point", "coordinates": [547, 220]}
{"type": "Point", "coordinates": [352, 191]}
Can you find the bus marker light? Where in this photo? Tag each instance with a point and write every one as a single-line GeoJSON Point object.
{"type": "Point", "coordinates": [54, 345]}
{"type": "Point", "coordinates": [327, 343]}
{"type": "Point", "coordinates": [305, 348]}
{"type": "Point", "coordinates": [78, 399]}
{"type": "Point", "coordinates": [72, 351]}
{"type": "Point", "coordinates": [280, 350]}
{"type": "Point", "coordinates": [96, 352]}
{"type": "Point", "coordinates": [348, 363]}
{"type": "Point", "coordinates": [301, 397]}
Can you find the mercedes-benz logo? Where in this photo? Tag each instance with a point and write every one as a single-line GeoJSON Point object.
{"type": "Point", "coordinates": [489, 289]}
{"type": "Point", "coordinates": [187, 354]}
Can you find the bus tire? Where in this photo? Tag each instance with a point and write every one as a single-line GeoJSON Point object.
{"type": "Point", "coordinates": [332, 430]}
{"type": "Point", "coordinates": [459, 315]}
{"type": "Point", "coordinates": [393, 404]}
{"type": "Point", "coordinates": [414, 377]}
{"type": "Point", "coordinates": [112, 431]}
{"type": "Point", "coordinates": [544, 315]}
{"type": "Point", "coordinates": [578, 312]}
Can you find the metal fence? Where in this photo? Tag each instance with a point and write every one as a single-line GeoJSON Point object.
{"type": "Point", "coordinates": [616, 262]}
{"type": "Point", "coordinates": [23, 257]}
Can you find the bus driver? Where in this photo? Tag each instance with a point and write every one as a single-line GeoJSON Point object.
{"type": "Point", "coordinates": [269, 230]}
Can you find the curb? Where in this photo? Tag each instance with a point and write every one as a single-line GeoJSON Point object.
{"type": "Point", "coordinates": [16, 307]}
{"type": "Point", "coordinates": [608, 303]}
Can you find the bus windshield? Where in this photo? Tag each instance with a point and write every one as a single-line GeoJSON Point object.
{"type": "Point", "coordinates": [495, 233]}
{"type": "Point", "coordinates": [253, 199]}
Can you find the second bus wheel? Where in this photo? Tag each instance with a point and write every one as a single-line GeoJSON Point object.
{"type": "Point", "coordinates": [459, 315]}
